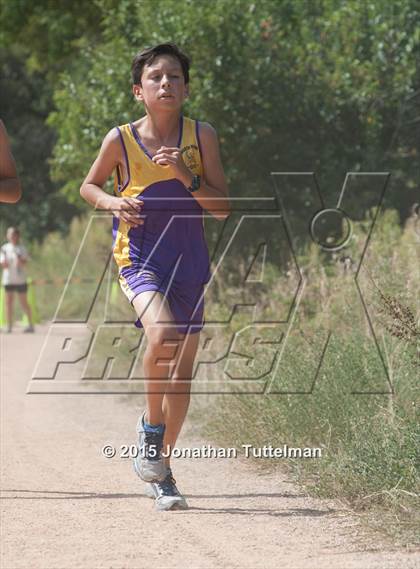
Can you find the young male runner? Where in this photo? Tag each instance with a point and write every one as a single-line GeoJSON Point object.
{"type": "Point", "coordinates": [167, 171]}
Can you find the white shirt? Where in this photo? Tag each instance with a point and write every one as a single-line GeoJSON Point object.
{"type": "Point", "coordinates": [13, 274]}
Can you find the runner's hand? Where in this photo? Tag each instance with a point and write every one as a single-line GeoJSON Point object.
{"type": "Point", "coordinates": [171, 156]}
{"type": "Point", "coordinates": [128, 210]}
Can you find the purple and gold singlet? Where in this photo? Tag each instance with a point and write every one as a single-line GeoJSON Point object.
{"type": "Point", "coordinates": [168, 253]}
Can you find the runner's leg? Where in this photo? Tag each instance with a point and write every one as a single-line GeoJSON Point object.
{"type": "Point", "coordinates": [163, 348]}
{"type": "Point", "coordinates": [177, 397]}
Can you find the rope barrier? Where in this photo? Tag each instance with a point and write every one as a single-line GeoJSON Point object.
{"type": "Point", "coordinates": [77, 280]}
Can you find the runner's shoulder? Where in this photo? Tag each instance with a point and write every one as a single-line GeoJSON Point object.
{"type": "Point", "coordinates": [207, 129]}
{"type": "Point", "coordinates": [208, 135]}
{"type": "Point", "coordinates": [112, 136]}
{"type": "Point", "coordinates": [112, 143]}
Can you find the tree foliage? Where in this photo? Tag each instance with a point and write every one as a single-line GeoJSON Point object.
{"type": "Point", "coordinates": [329, 86]}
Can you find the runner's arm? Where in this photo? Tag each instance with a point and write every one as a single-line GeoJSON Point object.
{"type": "Point", "coordinates": [110, 156]}
{"type": "Point", "coordinates": [10, 188]}
{"type": "Point", "coordinates": [213, 194]}
{"type": "Point", "coordinates": [107, 160]}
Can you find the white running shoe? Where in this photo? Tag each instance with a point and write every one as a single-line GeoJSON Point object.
{"type": "Point", "coordinates": [166, 494]}
{"type": "Point", "coordinates": [149, 464]}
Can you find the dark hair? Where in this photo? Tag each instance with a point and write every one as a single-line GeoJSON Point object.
{"type": "Point", "coordinates": [148, 55]}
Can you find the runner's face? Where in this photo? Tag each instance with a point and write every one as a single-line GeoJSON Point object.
{"type": "Point", "coordinates": [162, 84]}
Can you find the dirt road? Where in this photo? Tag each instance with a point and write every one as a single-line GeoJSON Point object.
{"type": "Point", "coordinates": [65, 506]}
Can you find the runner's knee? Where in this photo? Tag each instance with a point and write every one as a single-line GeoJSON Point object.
{"type": "Point", "coordinates": [163, 340]}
